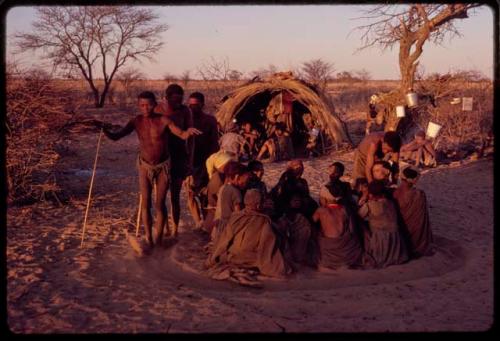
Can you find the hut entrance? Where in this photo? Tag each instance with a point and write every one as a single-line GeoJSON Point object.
{"type": "Point", "coordinates": [266, 108]}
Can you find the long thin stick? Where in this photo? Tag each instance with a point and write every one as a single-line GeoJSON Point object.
{"type": "Point", "coordinates": [90, 189]}
{"type": "Point", "coordinates": [138, 216]}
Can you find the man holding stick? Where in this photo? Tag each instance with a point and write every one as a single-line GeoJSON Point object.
{"type": "Point", "coordinates": [154, 158]}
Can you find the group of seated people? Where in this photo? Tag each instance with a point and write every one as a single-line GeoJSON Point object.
{"type": "Point", "coordinates": [278, 146]}
{"type": "Point", "coordinates": [372, 225]}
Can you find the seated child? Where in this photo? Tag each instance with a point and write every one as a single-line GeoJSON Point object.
{"type": "Point", "coordinates": [420, 150]}
{"type": "Point", "coordinates": [279, 146]}
{"type": "Point", "coordinates": [256, 169]}
{"type": "Point", "coordinates": [294, 230]}
{"type": "Point", "coordinates": [229, 198]}
{"type": "Point", "coordinates": [361, 191]}
{"type": "Point", "coordinates": [338, 244]}
{"type": "Point", "coordinates": [251, 136]}
{"type": "Point", "coordinates": [386, 245]}
{"type": "Point", "coordinates": [412, 204]}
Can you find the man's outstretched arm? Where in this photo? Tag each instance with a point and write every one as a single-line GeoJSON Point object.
{"type": "Point", "coordinates": [183, 134]}
{"type": "Point", "coordinates": [129, 127]}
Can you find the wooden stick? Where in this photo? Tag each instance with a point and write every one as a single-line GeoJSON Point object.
{"type": "Point", "coordinates": [90, 189]}
{"type": "Point", "coordinates": [138, 216]}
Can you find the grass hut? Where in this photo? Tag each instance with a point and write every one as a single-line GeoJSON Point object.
{"type": "Point", "coordinates": [253, 101]}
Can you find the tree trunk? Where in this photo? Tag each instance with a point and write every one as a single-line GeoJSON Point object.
{"type": "Point", "coordinates": [104, 94]}
{"type": "Point", "coordinates": [96, 98]}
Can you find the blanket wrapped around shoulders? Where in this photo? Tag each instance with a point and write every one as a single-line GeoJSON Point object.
{"type": "Point", "coordinates": [249, 241]}
{"type": "Point", "coordinates": [414, 211]}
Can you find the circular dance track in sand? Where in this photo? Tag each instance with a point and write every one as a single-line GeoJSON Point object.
{"type": "Point", "coordinates": [183, 263]}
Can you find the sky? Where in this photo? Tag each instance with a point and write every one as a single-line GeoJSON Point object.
{"type": "Point", "coordinates": [252, 37]}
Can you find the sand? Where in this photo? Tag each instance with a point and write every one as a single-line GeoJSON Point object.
{"type": "Point", "coordinates": [55, 286]}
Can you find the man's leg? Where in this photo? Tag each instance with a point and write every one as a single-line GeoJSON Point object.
{"type": "Point", "coordinates": [145, 188]}
{"type": "Point", "coordinates": [175, 193]}
{"type": "Point", "coordinates": [160, 206]}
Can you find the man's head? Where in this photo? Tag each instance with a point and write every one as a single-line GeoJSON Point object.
{"type": "Point", "coordinates": [257, 168]}
{"type": "Point", "coordinates": [280, 128]}
{"type": "Point", "coordinates": [146, 102]}
{"type": "Point", "coordinates": [420, 137]}
{"type": "Point", "coordinates": [376, 189]}
{"type": "Point", "coordinates": [410, 176]}
{"type": "Point", "coordinates": [174, 95]}
{"type": "Point", "coordinates": [196, 101]}
{"type": "Point", "coordinates": [243, 178]}
{"type": "Point", "coordinates": [381, 170]}
{"type": "Point", "coordinates": [296, 167]}
{"type": "Point", "coordinates": [391, 142]}
{"type": "Point", "coordinates": [252, 200]}
{"type": "Point", "coordinates": [336, 170]}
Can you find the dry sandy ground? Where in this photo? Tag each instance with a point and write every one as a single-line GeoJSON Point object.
{"type": "Point", "coordinates": [54, 286]}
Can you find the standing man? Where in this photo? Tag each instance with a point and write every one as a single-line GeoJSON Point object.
{"type": "Point", "coordinates": [154, 161]}
{"type": "Point", "coordinates": [181, 167]}
{"type": "Point", "coordinates": [202, 148]}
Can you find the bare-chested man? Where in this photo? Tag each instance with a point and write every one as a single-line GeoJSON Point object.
{"type": "Point", "coordinates": [154, 158]}
{"type": "Point", "coordinates": [181, 161]}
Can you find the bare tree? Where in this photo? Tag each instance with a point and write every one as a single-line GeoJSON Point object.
{"type": "Point", "coordinates": [215, 69]}
{"type": "Point", "coordinates": [87, 39]}
{"type": "Point", "coordinates": [363, 74]}
{"type": "Point", "coordinates": [410, 27]}
{"type": "Point", "coordinates": [235, 75]}
{"type": "Point", "coordinates": [127, 77]}
{"type": "Point", "coordinates": [318, 72]}
{"type": "Point", "coordinates": [186, 77]}
{"type": "Point", "coordinates": [169, 77]}
{"type": "Point", "coordinates": [264, 72]}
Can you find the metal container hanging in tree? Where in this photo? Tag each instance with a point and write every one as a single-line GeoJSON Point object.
{"type": "Point", "coordinates": [412, 99]}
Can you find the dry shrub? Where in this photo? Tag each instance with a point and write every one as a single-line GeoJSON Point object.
{"type": "Point", "coordinates": [36, 116]}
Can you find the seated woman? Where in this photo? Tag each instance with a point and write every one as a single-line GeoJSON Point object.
{"type": "Point", "coordinates": [292, 182]}
{"type": "Point", "coordinates": [385, 245]}
{"type": "Point", "coordinates": [338, 243]}
{"type": "Point", "coordinates": [420, 150]}
{"type": "Point", "coordinates": [279, 146]}
{"type": "Point", "coordinates": [412, 204]}
{"type": "Point", "coordinates": [248, 241]}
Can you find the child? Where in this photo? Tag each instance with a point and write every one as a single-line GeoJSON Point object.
{"type": "Point", "coordinates": [386, 245]}
{"type": "Point", "coordinates": [294, 230]}
{"type": "Point", "coordinates": [336, 171]}
{"type": "Point", "coordinates": [154, 158]}
{"type": "Point", "coordinates": [280, 146]}
{"type": "Point", "coordinates": [420, 150]}
{"type": "Point", "coordinates": [251, 135]}
{"type": "Point", "coordinates": [229, 198]}
{"type": "Point", "coordinates": [256, 169]}
{"type": "Point", "coordinates": [361, 191]}
{"type": "Point", "coordinates": [412, 204]}
{"type": "Point", "coordinates": [338, 244]}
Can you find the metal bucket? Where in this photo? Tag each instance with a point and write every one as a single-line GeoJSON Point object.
{"type": "Point", "coordinates": [433, 129]}
{"type": "Point", "coordinates": [400, 111]}
{"type": "Point", "coordinates": [412, 99]}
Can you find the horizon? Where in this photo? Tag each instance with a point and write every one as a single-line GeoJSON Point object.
{"type": "Point", "coordinates": [198, 33]}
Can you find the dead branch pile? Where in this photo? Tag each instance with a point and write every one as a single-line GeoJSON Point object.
{"type": "Point", "coordinates": [37, 114]}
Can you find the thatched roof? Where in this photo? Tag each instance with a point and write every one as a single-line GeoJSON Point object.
{"type": "Point", "coordinates": [304, 93]}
